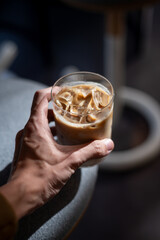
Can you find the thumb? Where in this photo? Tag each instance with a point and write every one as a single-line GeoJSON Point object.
{"type": "Point", "coordinates": [95, 149]}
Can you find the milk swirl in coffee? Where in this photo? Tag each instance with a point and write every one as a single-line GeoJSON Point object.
{"type": "Point", "coordinates": [83, 112]}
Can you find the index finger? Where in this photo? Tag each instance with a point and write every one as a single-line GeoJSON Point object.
{"type": "Point", "coordinates": [40, 94]}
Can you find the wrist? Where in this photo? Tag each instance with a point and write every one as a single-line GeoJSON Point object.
{"type": "Point", "coordinates": [19, 196]}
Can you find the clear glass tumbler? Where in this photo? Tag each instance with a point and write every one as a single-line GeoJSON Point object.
{"type": "Point", "coordinates": [86, 113]}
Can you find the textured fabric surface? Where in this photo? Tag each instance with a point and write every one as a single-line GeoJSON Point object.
{"type": "Point", "coordinates": [57, 217]}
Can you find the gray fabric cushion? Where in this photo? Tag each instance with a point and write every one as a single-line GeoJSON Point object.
{"type": "Point", "coordinates": [57, 217]}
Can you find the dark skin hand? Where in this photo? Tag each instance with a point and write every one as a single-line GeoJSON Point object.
{"type": "Point", "coordinates": [41, 167]}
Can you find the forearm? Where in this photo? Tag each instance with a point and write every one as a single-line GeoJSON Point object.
{"type": "Point", "coordinates": [15, 194]}
{"type": "Point", "coordinates": [8, 220]}
{"type": "Point", "coordinates": [22, 194]}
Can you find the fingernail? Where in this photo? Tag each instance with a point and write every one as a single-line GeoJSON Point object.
{"type": "Point", "coordinates": [110, 145]}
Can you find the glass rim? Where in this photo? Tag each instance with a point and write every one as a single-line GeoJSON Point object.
{"type": "Point", "coordinates": [79, 73]}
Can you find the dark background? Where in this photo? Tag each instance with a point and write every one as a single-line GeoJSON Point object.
{"type": "Point", "coordinates": [51, 36]}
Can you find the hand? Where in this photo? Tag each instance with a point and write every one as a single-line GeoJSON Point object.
{"type": "Point", "coordinates": [41, 167]}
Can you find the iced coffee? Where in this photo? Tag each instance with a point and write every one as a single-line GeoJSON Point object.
{"type": "Point", "coordinates": [83, 110]}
